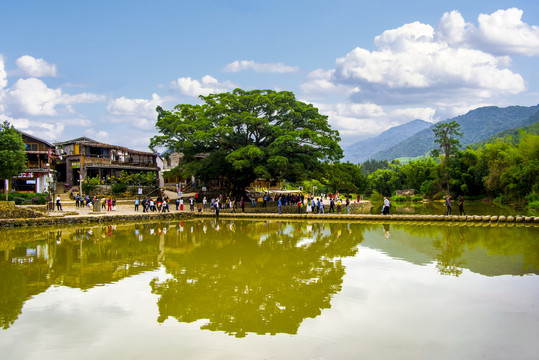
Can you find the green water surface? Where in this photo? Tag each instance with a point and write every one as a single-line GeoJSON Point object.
{"type": "Point", "coordinates": [225, 289]}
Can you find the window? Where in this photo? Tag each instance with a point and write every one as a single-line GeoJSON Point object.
{"type": "Point", "coordinates": [30, 147]}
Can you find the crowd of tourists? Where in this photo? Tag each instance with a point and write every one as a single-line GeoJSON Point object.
{"type": "Point", "coordinates": [334, 203]}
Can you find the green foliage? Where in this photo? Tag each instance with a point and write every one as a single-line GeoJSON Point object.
{"type": "Point", "coordinates": [376, 197]}
{"type": "Point", "coordinates": [344, 177]}
{"type": "Point", "coordinates": [416, 198]}
{"type": "Point", "coordinates": [399, 198]}
{"type": "Point", "coordinates": [427, 187]}
{"type": "Point", "coordinates": [371, 165]}
{"type": "Point", "coordinates": [446, 135]}
{"type": "Point", "coordinates": [12, 152]}
{"type": "Point", "coordinates": [386, 181]}
{"type": "Point", "coordinates": [476, 125]}
{"type": "Point", "coordinates": [246, 135]}
{"type": "Point", "coordinates": [89, 185]}
{"type": "Point", "coordinates": [119, 188]}
{"type": "Point", "coordinates": [512, 170]}
{"type": "Point", "coordinates": [28, 198]}
{"type": "Point", "coordinates": [417, 172]}
{"type": "Point", "coordinates": [143, 178]}
{"type": "Point", "coordinates": [533, 201]}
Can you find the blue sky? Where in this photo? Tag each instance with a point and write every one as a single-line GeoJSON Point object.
{"type": "Point", "coordinates": [99, 68]}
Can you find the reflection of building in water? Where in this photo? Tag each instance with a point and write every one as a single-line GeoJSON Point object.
{"type": "Point", "coordinates": [78, 258]}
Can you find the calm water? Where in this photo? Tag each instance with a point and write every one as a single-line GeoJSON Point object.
{"type": "Point", "coordinates": [270, 290]}
{"type": "Point", "coordinates": [438, 208]}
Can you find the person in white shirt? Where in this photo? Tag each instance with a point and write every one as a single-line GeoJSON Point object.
{"type": "Point", "coordinates": [387, 205]}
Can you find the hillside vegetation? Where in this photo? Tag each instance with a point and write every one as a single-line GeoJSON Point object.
{"type": "Point", "coordinates": [477, 125]}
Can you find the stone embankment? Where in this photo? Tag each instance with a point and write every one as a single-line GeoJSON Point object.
{"type": "Point", "coordinates": [126, 213]}
{"type": "Point", "coordinates": [431, 219]}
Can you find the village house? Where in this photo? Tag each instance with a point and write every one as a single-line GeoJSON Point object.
{"type": "Point", "coordinates": [84, 158]}
{"type": "Point", "coordinates": [41, 159]}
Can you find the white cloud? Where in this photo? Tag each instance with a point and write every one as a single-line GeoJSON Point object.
{"type": "Point", "coordinates": [419, 65]}
{"type": "Point", "coordinates": [48, 131]}
{"type": "Point", "coordinates": [124, 106]}
{"type": "Point", "coordinates": [33, 97]}
{"type": "Point", "coordinates": [320, 82]}
{"type": "Point", "coordinates": [3, 74]}
{"type": "Point", "coordinates": [242, 65]}
{"type": "Point", "coordinates": [359, 121]}
{"type": "Point", "coordinates": [138, 112]}
{"type": "Point", "coordinates": [101, 135]}
{"type": "Point", "coordinates": [207, 85]}
{"type": "Point", "coordinates": [33, 67]}
{"type": "Point", "coordinates": [504, 32]}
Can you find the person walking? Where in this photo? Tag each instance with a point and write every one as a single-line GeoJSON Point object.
{"type": "Point", "coordinates": [216, 206]}
{"type": "Point", "coordinates": [320, 206]}
{"type": "Point", "coordinates": [136, 204]}
{"type": "Point", "coordinates": [348, 205]}
{"type": "Point", "coordinates": [280, 205]}
{"type": "Point", "coordinates": [448, 205]}
{"type": "Point", "coordinates": [58, 203]}
{"type": "Point", "coordinates": [242, 203]}
{"type": "Point", "coordinates": [461, 206]}
{"type": "Point", "coordinates": [109, 204]}
{"type": "Point", "coordinates": [386, 206]}
{"type": "Point", "coordinates": [331, 205]}
{"type": "Point", "coordinates": [204, 203]}
{"type": "Point", "coordinates": [191, 204]}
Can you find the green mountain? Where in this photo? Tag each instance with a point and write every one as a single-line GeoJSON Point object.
{"type": "Point", "coordinates": [533, 129]}
{"type": "Point", "coordinates": [476, 125]}
{"type": "Point", "coordinates": [364, 150]}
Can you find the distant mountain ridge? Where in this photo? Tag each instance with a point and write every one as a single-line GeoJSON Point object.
{"type": "Point", "coordinates": [476, 125]}
{"type": "Point", "coordinates": [363, 150]}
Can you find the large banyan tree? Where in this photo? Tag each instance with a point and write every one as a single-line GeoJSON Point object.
{"type": "Point", "coordinates": [248, 135]}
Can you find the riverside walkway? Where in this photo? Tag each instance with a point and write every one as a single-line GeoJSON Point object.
{"type": "Point", "coordinates": [125, 212]}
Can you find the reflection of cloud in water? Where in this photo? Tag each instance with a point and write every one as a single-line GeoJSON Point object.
{"type": "Point", "coordinates": [305, 242]}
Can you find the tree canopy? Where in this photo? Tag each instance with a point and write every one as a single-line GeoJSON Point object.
{"type": "Point", "coordinates": [245, 135]}
{"type": "Point", "coordinates": [12, 152]}
{"type": "Point", "coordinates": [447, 136]}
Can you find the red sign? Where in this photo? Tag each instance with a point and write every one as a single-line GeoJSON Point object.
{"type": "Point", "coordinates": [26, 175]}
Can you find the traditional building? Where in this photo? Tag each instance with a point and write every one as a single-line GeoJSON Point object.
{"type": "Point", "coordinates": [40, 166]}
{"type": "Point", "coordinates": [85, 158]}
{"type": "Point", "coordinates": [167, 161]}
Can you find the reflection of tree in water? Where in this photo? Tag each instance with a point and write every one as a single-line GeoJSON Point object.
{"type": "Point", "coordinates": [451, 246]}
{"type": "Point", "coordinates": [12, 294]}
{"type": "Point", "coordinates": [261, 277]}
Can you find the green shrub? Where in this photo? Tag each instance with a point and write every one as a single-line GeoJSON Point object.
{"type": "Point", "coordinates": [89, 185]}
{"type": "Point", "coordinates": [502, 199]}
{"type": "Point", "coordinates": [376, 197]}
{"type": "Point", "coordinates": [27, 198]}
{"type": "Point", "coordinates": [399, 198]}
{"type": "Point", "coordinates": [427, 187]}
{"type": "Point", "coordinates": [119, 188]}
{"type": "Point", "coordinates": [439, 196]}
{"type": "Point", "coordinates": [416, 198]}
{"type": "Point", "coordinates": [533, 201]}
